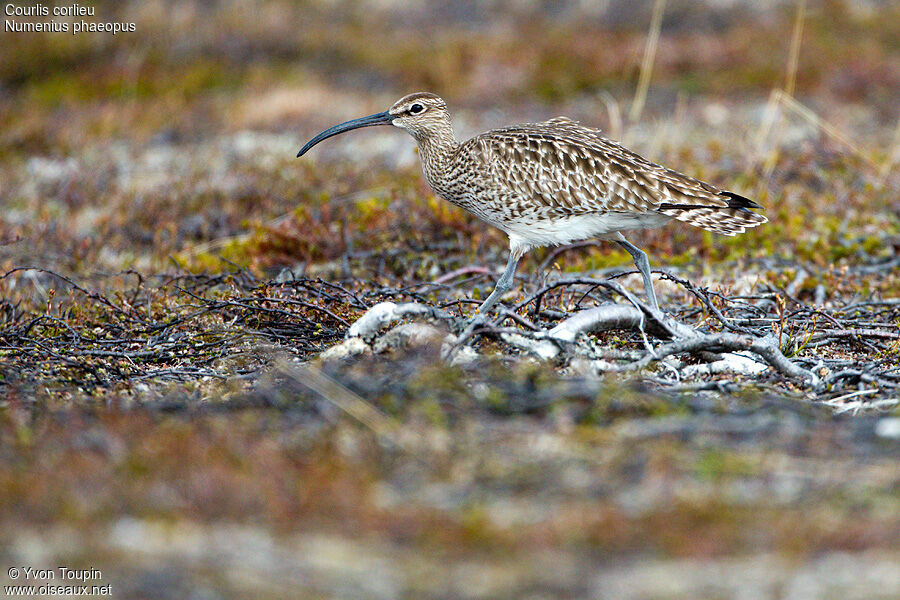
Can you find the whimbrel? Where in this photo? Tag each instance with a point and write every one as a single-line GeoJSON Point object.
{"type": "Point", "coordinates": [554, 182]}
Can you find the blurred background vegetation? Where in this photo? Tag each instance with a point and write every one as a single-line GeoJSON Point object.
{"type": "Point", "coordinates": [261, 77]}
{"type": "Point", "coordinates": [197, 68]}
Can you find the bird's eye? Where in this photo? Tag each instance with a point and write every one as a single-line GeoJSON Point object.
{"type": "Point", "coordinates": [416, 109]}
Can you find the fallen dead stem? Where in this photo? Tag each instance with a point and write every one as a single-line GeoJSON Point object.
{"type": "Point", "coordinates": [168, 327]}
{"type": "Point", "coordinates": [129, 327]}
{"type": "Point", "coordinates": [561, 339]}
{"type": "Point", "coordinates": [735, 336]}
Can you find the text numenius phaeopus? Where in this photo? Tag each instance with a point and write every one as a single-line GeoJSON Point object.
{"type": "Point", "coordinates": [554, 182]}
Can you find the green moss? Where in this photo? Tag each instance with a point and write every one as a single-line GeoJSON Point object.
{"type": "Point", "coordinates": [716, 464]}
{"type": "Point", "coordinates": [621, 401]}
{"type": "Point", "coordinates": [185, 82]}
{"type": "Point", "coordinates": [602, 260]}
{"type": "Point", "coordinates": [431, 411]}
{"type": "Point", "coordinates": [61, 87]}
{"type": "Point", "coordinates": [682, 259]}
{"type": "Point", "coordinates": [237, 251]}
{"type": "Point", "coordinates": [438, 382]}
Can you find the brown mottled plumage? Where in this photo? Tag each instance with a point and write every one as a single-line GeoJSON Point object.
{"type": "Point", "coordinates": [555, 182]}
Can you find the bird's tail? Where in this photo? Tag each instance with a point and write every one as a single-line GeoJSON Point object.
{"type": "Point", "coordinates": [729, 219]}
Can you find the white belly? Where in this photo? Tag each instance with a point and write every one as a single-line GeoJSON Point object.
{"type": "Point", "coordinates": [527, 235]}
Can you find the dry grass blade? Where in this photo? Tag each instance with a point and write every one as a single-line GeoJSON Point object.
{"type": "Point", "coordinates": [893, 156]}
{"type": "Point", "coordinates": [832, 131]}
{"type": "Point", "coordinates": [794, 57]}
{"type": "Point", "coordinates": [640, 96]}
{"type": "Point", "coordinates": [352, 404]}
{"type": "Point", "coordinates": [778, 100]}
{"type": "Point", "coordinates": [841, 404]}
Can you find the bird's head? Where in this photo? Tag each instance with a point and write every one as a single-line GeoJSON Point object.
{"type": "Point", "coordinates": [422, 114]}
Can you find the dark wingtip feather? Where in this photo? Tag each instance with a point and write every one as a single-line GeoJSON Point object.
{"type": "Point", "coordinates": [735, 201]}
{"type": "Point", "coordinates": [738, 201]}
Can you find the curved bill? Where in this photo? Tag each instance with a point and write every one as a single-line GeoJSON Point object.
{"type": "Point", "coordinates": [382, 118]}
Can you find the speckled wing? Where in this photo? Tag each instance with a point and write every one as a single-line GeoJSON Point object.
{"type": "Point", "coordinates": [560, 168]}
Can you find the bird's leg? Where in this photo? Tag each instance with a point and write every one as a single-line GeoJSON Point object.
{"type": "Point", "coordinates": [502, 286]}
{"type": "Point", "coordinates": [643, 265]}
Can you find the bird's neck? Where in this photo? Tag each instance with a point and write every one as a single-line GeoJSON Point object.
{"type": "Point", "coordinates": [439, 146]}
